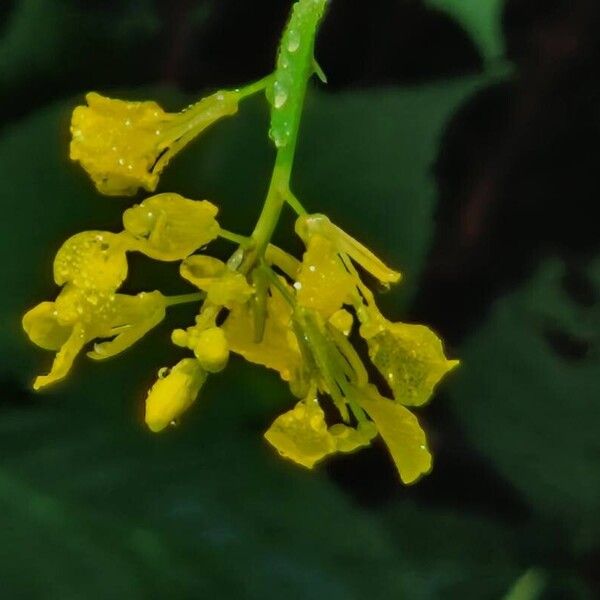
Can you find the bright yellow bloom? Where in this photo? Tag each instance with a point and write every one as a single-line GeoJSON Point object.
{"type": "Point", "coordinates": [401, 433]}
{"type": "Point", "coordinates": [173, 393]}
{"type": "Point", "coordinates": [79, 316]}
{"type": "Point", "coordinates": [310, 225]}
{"type": "Point", "coordinates": [92, 260]}
{"type": "Point", "coordinates": [301, 434]}
{"type": "Point", "coordinates": [171, 227]}
{"type": "Point", "coordinates": [410, 357]}
{"type": "Point", "coordinates": [125, 145]}
{"type": "Point", "coordinates": [323, 283]}
{"type": "Point", "coordinates": [278, 348]}
{"type": "Point", "coordinates": [223, 286]}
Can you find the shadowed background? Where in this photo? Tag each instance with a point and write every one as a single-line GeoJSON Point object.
{"type": "Point", "coordinates": [457, 140]}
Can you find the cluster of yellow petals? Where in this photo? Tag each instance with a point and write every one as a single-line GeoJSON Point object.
{"type": "Point", "coordinates": [124, 146]}
{"type": "Point", "coordinates": [410, 357]}
{"type": "Point", "coordinates": [91, 266]}
{"type": "Point", "coordinates": [295, 317]}
{"type": "Point", "coordinates": [302, 435]}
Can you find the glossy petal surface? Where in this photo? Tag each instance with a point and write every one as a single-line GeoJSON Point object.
{"type": "Point", "coordinates": [171, 227]}
{"type": "Point", "coordinates": [301, 434]}
{"type": "Point", "coordinates": [401, 433]}
{"type": "Point", "coordinates": [411, 358]}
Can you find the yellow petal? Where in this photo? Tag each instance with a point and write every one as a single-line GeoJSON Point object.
{"type": "Point", "coordinates": [201, 270]}
{"type": "Point", "coordinates": [92, 260]}
{"type": "Point", "coordinates": [93, 308]}
{"type": "Point", "coordinates": [171, 227]}
{"type": "Point", "coordinates": [223, 286]}
{"type": "Point", "coordinates": [174, 393]}
{"type": "Point", "coordinates": [349, 439]}
{"type": "Point", "coordinates": [277, 349]}
{"type": "Point", "coordinates": [301, 434]}
{"type": "Point", "coordinates": [309, 225]}
{"type": "Point", "coordinates": [411, 359]}
{"type": "Point", "coordinates": [342, 320]}
{"type": "Point", "coordinates": [134, 316]}
{"type": "Point", "coordinates": [64, 358]}
{"type": "Point", "coordinates": [42, 326]}
{"type": "Point", "coordinates": [323, 283]}
{"type": "Point", "coordinates": [401, 433]}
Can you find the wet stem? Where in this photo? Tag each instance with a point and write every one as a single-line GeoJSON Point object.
{"type": "Point", "coordinates": [279, 189]}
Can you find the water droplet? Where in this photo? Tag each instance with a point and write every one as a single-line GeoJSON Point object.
{"type": "Point", "coordinates": [298, 285]}
{"type": "Point", "coordinates": [280, 98]}
{"type": "Point", "coordinates": [163, 372]}
{"type": "Point", "coordinates": [293, 41]}
{"type": "Point", "coordinates": [121, 162]}
{"type": "Point", "coordinates": [174, 423]}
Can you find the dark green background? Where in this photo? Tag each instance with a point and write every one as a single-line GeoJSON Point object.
{"type": "Point", "coordinates": [457, 146]}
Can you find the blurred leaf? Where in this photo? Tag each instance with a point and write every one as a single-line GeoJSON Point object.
{"type": "Point", "coordinates": [481, 19]}
{"type": "Point", "coordinates": [43, 43]}
{"type": "Point", "coordinates": [527, 395]}
{"type": "Point", "coordinates": [208, 508]}
{"type": "Point", "coordinates": [473, 556]}
{"type": "Point", "coordinates": [528, 587]}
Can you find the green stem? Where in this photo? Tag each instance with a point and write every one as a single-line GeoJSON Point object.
{"type": "Point", "coordinates": [295, 66]}
{"type": "Point", "coordinates": [184, 299]}
{"type": "Point", "coordinates": [254, 88]}
{"type": "Point", "coordinates": [236, 238]}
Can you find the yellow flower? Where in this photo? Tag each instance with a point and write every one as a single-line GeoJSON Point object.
{"type": "Point", "coordinates": [401, 433]}
{"type": "Point", "coordinates": [79, 316]}
{"type": "Point", "coordinates": [410, 357]}
{"type": "Point", "coordinates": [171, 227]}
{"type": "Point", "coordinates": [223, 286]}
{"type": "Point", "coordinates": [173, 393]}
{"type": "Point", "coordinates": [301, 434]}
{"type": "Point", "coordinates": [278, 348]}
{"type": "Point", "coordinates": [125, 145]}
{"type": "Point", "coordinates": [323, 283]}
{"type": "Point", "coordinates": [308, 226]}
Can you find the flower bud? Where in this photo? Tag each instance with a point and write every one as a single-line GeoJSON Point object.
{"type": "Point", "coordinates": [174, 393]}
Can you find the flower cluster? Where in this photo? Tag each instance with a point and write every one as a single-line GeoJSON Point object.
{"type": "Point", "coordinates": [314, 321]}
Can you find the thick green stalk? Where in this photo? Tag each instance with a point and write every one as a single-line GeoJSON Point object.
{"type": "Point", "coordinates": [286, 93]}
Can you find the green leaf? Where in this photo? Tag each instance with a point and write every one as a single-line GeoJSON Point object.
{"type": "Point", "coordinates": [481, 19]}
{"type": "Point", "coordinates": [534, 411]}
